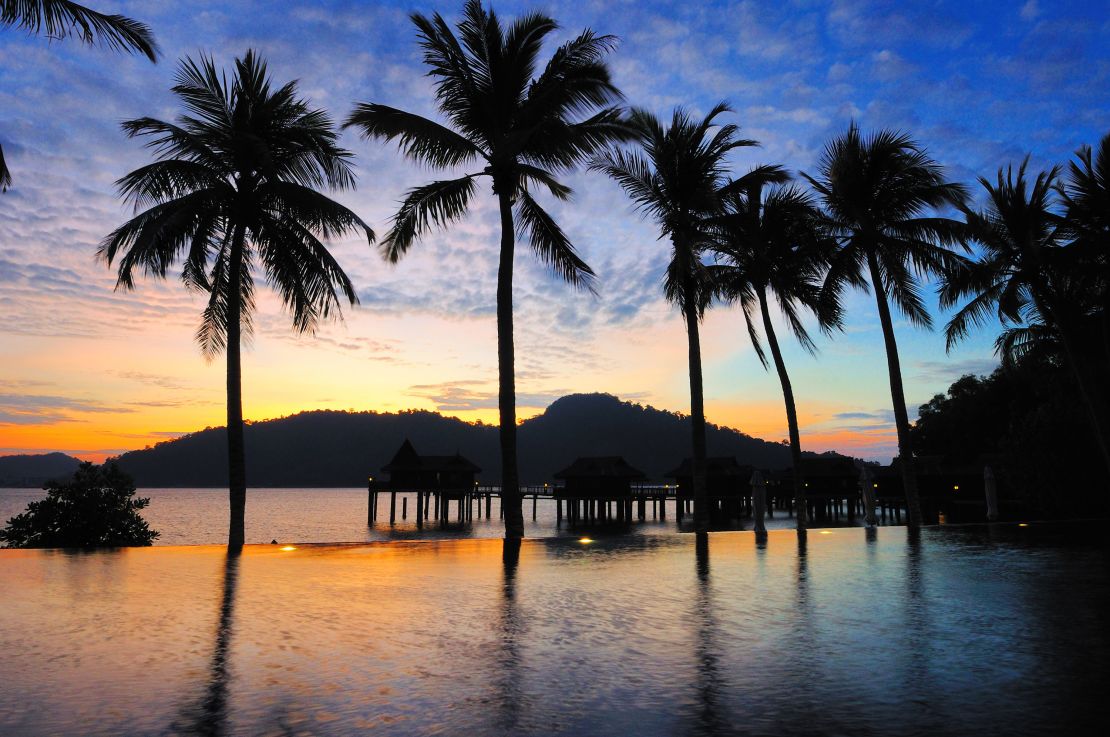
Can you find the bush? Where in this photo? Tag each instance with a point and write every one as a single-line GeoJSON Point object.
{"type": "Point", "coordinates": [94, 509]}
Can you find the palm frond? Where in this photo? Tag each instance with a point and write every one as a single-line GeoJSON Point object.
{"type": "Point", "coordinates": [437, 203]}
{"type": "Point", "coordinates": [419, 138]}
{"type": "Point", "coordinates": [61, 18]}
{"type": "Point", "coordinates": [5, 175]}
{"type": "Point", "coordinates": [551, 244]}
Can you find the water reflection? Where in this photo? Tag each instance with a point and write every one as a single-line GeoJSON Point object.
{"type": "Point", "coordinates": [945, 634]}
{"type": "Point", "coordinates": [511, 632]}
{"type": "Point", "coordinates": [709, 719]}
{"type": "Point", "coordinates": [208, 716]}
{"type": "Point", "coordinates": [916, 657]}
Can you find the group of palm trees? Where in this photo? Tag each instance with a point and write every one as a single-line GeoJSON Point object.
{"type": "Point", "coordinates": [236, 187]}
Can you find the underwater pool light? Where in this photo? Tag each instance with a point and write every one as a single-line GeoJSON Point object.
{"type": "Point", "coordinates": [287, 548]}
{"type": "Point", "coordinates": [585, 540]}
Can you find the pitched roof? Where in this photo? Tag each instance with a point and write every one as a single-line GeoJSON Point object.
{"type": "Point", "coordinates": [606, 466]}
{"type": "Point", "coordinates": [406, 458]}
{"type": "Point", "coordinates": [719, 466]}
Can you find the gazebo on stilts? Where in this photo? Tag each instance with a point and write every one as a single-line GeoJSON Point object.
{"type": "Point", "coordinates": [436, 480]}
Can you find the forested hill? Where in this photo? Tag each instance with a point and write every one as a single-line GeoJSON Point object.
{"type": "Point", "coordinates": [325, 448]}
{"type": "Point", "coordinates": [32, 471]}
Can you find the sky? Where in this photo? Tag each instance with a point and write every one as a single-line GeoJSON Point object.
{"type": "Point", "coordinates": [91, 371]}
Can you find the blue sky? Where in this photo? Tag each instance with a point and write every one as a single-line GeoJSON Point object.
{"type": "Point", "coordinates": [89, 370]}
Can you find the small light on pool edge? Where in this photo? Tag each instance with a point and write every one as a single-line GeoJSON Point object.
{"type": "Point", "coordinates": [1023, 524]}
{"type": "Point", "coordinates": [826, 532]}
{"type": "Point", "coordinates": [287, 548]}
{"type": "Point", "coordinates": [585, 540]}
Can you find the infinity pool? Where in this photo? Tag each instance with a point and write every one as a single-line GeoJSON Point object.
{"type": "Point", "coordinates": [977, 630]}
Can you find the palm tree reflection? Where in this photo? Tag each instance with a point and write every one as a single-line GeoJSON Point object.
{"type": "Point", "coordinates": [511, 629]}
{"type": "Point", "coordinates": [207, 717]}
{"type": "Point", "coordinates": [708, 720]}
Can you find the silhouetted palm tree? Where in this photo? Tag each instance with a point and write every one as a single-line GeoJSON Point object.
{"type": "Point", "coordinates": [879, 194]}
{"type": "Point", "coordinates": [1033, 276]}
{"type": "Point", "coordinates": [677, 181]}
{"type": "Point", "coordinates": [1086, 193]}
{"type": "Point", "coordinates": [59, 19]}
{"type": "Point", "coordinates": [525, 129]}
{"type": "Point", "coordinates": [773, 240]}
{"type": "Point", "coordinates": [234, 187]}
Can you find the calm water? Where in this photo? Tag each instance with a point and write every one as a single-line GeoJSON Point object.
{"type": "Point", "coordinates": [963, 631]}
{"type": "Point", "coordinates": [200, 516]}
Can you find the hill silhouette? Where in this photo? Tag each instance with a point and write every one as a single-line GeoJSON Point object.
{"type": "Point", "coordinates": [30, 471]}
{"type": "Point", "coordinates": [329, 448]}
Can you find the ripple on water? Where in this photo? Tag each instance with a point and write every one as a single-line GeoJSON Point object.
{"type": "Point", "coordinates": [957, 631]}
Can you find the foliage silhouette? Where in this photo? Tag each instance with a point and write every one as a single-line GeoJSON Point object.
{"type": "Point", "coordinates": [772, 239]}
{"type": "Point", "coordinates": [94, 509]}
{"type": "Point", "coordinates": [527, 129]}
{"type": "Point", "coordinates": [1029, 274]}
{"type": "Point", "coordinates": [676, 179]}
{"type": "Point", "coordinates": [60, 19]}
{"type": "Point", "coordinates": [878, 193]}
{"type": "Point", "coordinates": [235, 183]}
{"type": "Point", "coordinates": [1026, 418]}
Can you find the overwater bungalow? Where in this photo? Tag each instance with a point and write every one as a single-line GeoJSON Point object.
{"type": "Point", "coordinates": [410, 471]}
{"type": "Point", "coordinates": [608, 477]}
{"type": "Point", "coordinates": [597, 488]}
{"type": "Point", "coordinates": [727, 484]}
{"type": "Point", "coordinates": [440, 478]}
{"type": "Point", "coordinates": [831, 484]}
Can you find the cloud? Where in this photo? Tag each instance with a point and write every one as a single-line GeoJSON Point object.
{"type": "Point", "coordinates": [42, 409]}
{"type": "Point", "coordinates": [470, 395]}
{"type": "Point", "coordinates": [949, 371]}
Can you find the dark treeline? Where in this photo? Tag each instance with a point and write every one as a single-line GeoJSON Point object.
{"type": "Point", "coordinates": [238, 190]}
{"type": "Point", "coordinates": [326, 448]}
{"type": "Point", "coordinates": [1027, 420]}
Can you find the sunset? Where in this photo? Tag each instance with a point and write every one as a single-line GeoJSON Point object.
{"type": "Point", "coordinates": [554, 368]}
{"type": "Point", "coordinates": [94, 372]}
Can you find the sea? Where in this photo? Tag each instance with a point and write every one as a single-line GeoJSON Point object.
{"type": "Point", "coordinates": [200, 517]}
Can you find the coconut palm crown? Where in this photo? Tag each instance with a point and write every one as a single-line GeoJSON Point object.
{"type": "Point", "coordinates": [771, 242]}
{"type": "Point", "coordinates": [881, 195]}
{"type": "Point", "coordinates": [60, 19]}
{"type": "Point", "coordinates": [1040, 272]}
{"type": "Point", "coordinates": [676, 176]}
{"type": "Point", "coordinates": [234, 188]}
{"type": "Point", "coordinates": [523, 126]}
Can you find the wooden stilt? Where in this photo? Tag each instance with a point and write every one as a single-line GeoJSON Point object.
{"type": "Point", "coordinates": [392, 507]}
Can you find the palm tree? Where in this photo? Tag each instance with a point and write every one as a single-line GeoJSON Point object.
{"type": "Point", "coordinates": [234, 185]}
{"type": "Point", "coordinates": [1032, 276]}
{"type": "Point", "coordinates": [880, 193]}
{"type": "Point", "coordinates": [526, 129]}
{"type": "Point", "coordinates": [677, 180]}
{"type": "Point", "coordinates": [1086, 193]}
{"type": "Point", "coordinates": [59, 19]}
{"type": "Point", "coordinates": [775, 243]}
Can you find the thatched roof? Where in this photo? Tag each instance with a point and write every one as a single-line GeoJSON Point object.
{"type": "Point", "coordinates": [720, 466]}
{"type": "Point", "coordinates": [406, 458]}
{"type": "Point", "coordinates": [600, 467]}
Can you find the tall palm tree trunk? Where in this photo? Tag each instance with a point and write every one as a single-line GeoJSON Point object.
{"type": "Point", "coordinates": [898, 398]}
{"type": "Point", "coordinates": [697, 412]}
{"type": "Point", "coordinates": [236, 455]}
{"type": "Point", "coordinates": [791, 414]}
{"type": "Point", "coordinates": [506, 398]}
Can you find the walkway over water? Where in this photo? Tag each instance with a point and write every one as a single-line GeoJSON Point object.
{"type": "Point", "coordinates": [962, 630]}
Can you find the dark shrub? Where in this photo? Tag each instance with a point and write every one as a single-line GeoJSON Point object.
{"type": "Point", "coordinates": [96, 508]}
